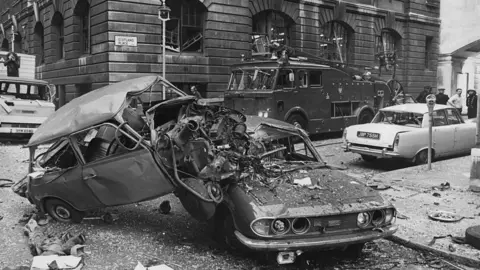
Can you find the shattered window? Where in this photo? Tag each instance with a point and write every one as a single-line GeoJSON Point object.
{"type": "Point", "coordinates": [59, 156]}
{"type": "Point", "coordinates": [286, 79]}
{"type": "Point", "coordinates": [101, 142]}
{"type": "Point", "coordinates": [252, 79]}
{"type": "Point", "coordinates": [399, 118]}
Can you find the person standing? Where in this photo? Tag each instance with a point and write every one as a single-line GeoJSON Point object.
{"type": "Point", "coordinates": [471, 104]}
{"type": "Point", "coordinates": [441, 98]}
{"type": "Point", "coordinates": [422, 97]}
{"type": "Point", "coordinates": [456, 100]}
{"type": "Point", "coordinates": [195, 92]}
{"type": "Point", "coordinates": [12, 62]}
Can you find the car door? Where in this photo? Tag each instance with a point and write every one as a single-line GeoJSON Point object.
{"type": "Point", "coordinates": [443, 134]}
{"type": "Point", "coordinates": [464, 132]}
{"type": "Point", "coordinates": [123, 176]}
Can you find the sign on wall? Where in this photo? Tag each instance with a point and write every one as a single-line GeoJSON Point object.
{"type": "Point", "coordinates": [125, 41]}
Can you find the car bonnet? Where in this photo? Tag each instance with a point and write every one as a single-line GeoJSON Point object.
{"type": "Point", "coordinates": [92, 108]}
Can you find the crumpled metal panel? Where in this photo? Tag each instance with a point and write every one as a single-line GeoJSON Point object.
{"type": "Point", "coordinates": [93, 108]}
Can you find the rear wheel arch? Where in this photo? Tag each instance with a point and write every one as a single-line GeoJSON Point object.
{"type": "Point", "coordinates": [421, 157]}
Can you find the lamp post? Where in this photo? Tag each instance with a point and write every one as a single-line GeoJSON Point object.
{"type": "Point", "coordinates": [164, 16]}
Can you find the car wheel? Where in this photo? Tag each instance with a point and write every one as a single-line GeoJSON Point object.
{"type": "Point", "coordinates": [298, 121]}
{"type": "Point", "coordinates": [365, 117]}
{"type": "Point", "coordinates": [368, 158]}
{"type": "Point", "coordinates": [224, 231]}
{"type": "Point", "coordinates": [472, 236]}
{"type": "Point", "coordinates": [422, 157]}
{"type": "Point", "coordinates": [354, 251]}
{"type": "Point", "coordinates": [62, 211]}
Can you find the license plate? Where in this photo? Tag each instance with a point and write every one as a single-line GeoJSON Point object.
{"type": "Point", "coordinates": [22, 130]}
{"type": "Point", "coordinates": [368, 135]}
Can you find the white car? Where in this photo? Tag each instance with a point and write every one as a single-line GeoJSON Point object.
{"type": "Point", "coordinates": [401, 131]}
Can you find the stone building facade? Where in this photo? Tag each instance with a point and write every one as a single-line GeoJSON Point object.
{"type": "Point", "coordinates": [84, 44]}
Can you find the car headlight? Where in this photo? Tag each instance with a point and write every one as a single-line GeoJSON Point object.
{"type": "Point", "coordinates": [280, 226]}
{"type": "Point", "coordinates": [389, 214]}
{"type": "Point", "coordinates": [363, 219]}
{"type": "Point", "coordinates": [378, 217]}
{"type": "Point", "coordinates": [263, 113]}
{"type": "Point", "coordinates": [260, 114]}
{"type": "Point", "coordinates": [261, 227]}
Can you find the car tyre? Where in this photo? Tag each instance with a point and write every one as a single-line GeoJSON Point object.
{"type": "Point", "coordinates": [62, 211]}
{"type": "Point", "coordinates": [368, 158]}
{"type": "Point", "coordinates": [472, 236]}
{"type": "Point", "coordinates": [354, 251]}
{"type": "Point", "coordinates": [298, 121]}
{"type": "Point", "coordinates": [365, 117]}
{"type": "Point", "coordinates": [422, 157]}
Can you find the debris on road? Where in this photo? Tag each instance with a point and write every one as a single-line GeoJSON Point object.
{"type": "Point", "coordinates": [442, 187]}
{"type": "Point", "coordinates": [445, 216]}
{"type": "Point", "coordinates": [156, 267]}
{"type": "Point", "coordinates": [165, 207]}
{"type": "Point", "coordinates": [55, 262]}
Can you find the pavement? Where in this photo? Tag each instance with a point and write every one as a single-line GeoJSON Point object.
{"type": "Point", "coordinates": [414, 195]}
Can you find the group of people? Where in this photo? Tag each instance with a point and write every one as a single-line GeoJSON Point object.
{"type": "Point", "coordinates": [454, 101]}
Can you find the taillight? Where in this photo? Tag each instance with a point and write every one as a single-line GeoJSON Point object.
{"type": "Point", "coordinates": [345, 135]}
{"type": "Point", "coordinates": [397, 140]}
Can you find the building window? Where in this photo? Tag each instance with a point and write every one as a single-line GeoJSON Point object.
{"type": "Point", "coordinates": [428, 51]}
{"type": "Point", "coordinates": [39, 43]}
{"type": "Point", "coordinates": [58, 32]}
{"type": "Point", "coordinates": [17, 43]}
{"type": "Point", "coordinates": [185, 27]}
{"type": "Point", "coordinates": [388, 42]}
{"type": "Point", "coordinates": [82, 18]}
{"type": "Point", "coordinates": [335, 41]}
{"type": "Point", "coordinates": [5, 46]}
{"type": "Point", "coordinates": [270, 27]}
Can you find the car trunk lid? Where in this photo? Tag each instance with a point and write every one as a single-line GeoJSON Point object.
{"type": "Point", "coordinates": [378, 135]}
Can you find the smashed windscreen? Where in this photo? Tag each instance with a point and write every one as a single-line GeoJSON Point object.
{"type": "Point", "coordinates": [252, 79]}
{"type": "Point", "coordinates": [399, 118]}
{"type": "Point", "coordinates": [27, 92]}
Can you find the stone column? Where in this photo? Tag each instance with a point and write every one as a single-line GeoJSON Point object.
{"type": "Point", "coordinates": [445, 77]}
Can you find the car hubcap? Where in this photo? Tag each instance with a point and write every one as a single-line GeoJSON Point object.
{"type": "Point", "coordinates": [62, 212]}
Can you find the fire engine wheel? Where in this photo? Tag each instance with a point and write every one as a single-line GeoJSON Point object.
{"type": "Point", "coordinates": [62, 211]}
{"type": "Point", "coordinates": [298, 121]}
{"type": "Point", "coordinates": [365, 117]}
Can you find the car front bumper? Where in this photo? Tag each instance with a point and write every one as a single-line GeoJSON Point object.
{"type": "Point", "coordinates": [381, 153]}
{"type": "Point", "coordinates": [311, 243]}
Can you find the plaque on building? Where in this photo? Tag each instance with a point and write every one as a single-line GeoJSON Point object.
{"type": "Point", "coordinates": [125, 41]}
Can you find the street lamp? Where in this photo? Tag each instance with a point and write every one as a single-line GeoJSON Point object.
{"type": "Point", "coordinates": [164, 16]}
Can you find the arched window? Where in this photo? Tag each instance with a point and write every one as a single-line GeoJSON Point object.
{"type": "Point", "coordinates": [336, 41]}
{"type": "Point", "coordinates": [270, 26]}
{"type": "Point", "coordinates": [388, 41]}
{"type": "Point", "coordinates": [17, 43]}
{"type": "Point", "coordinates": [39, 43]}
{"type": "Point", "coordinates": [58, 32]}
{"type": "Point", "coordinates": [186, 25]}
{"type": "Point", "coordinates": [82, 18]}
{"type": "Point", "coordinates": [5, 44]}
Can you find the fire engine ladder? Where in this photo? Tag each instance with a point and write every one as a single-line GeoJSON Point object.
{"type": "Point", "coordinates": [192, 41]}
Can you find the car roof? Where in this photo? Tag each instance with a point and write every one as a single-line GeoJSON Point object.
{"type": "Point", "coordinates": [415, 108]}
{"type": "Point", "coordinates": [93, 108]}
{"type": "Point", "coordinates": [22, 80]}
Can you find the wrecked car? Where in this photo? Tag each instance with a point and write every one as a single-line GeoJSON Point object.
{"type": "Point", "coordinates": [259, 183]}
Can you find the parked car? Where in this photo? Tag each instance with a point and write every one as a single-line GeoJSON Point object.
{"type": "Point", "coordinates": [401, 131]}
{"type": "Point", "coordinates": [259, 182]}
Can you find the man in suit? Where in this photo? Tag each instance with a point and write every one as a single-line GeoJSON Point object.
{"type": "Point", "coordinates": [441, 98]}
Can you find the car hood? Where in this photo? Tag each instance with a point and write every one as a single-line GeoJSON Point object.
{"type": "Point", "coordinates": [387, 133]}
{"type": "Point", "coordinates": [93, 108]}
{"type": "Point", "coordinates": [334, 193]}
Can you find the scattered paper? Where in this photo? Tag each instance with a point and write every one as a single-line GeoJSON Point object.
{"type": "Point", "coordinates": [63, 262]}
{"type": "Point", "coordinates": [303, 182]}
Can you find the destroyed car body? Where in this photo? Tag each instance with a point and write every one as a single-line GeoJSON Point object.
{"type": "Point", "coordinates": [401, 131]}
{"type": "Point", "coordinates": [258, 182]}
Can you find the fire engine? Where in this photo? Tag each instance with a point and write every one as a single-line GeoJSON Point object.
{"type": "Point", "coordinates": [316, 94]}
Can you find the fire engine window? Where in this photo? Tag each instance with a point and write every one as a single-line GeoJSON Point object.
{"type": "Point", "coordinates": [286, 79]}
{"type": "Point", "coordinates": [315, 78]}
{"type": "Point", "coordinates": [302, 78]}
